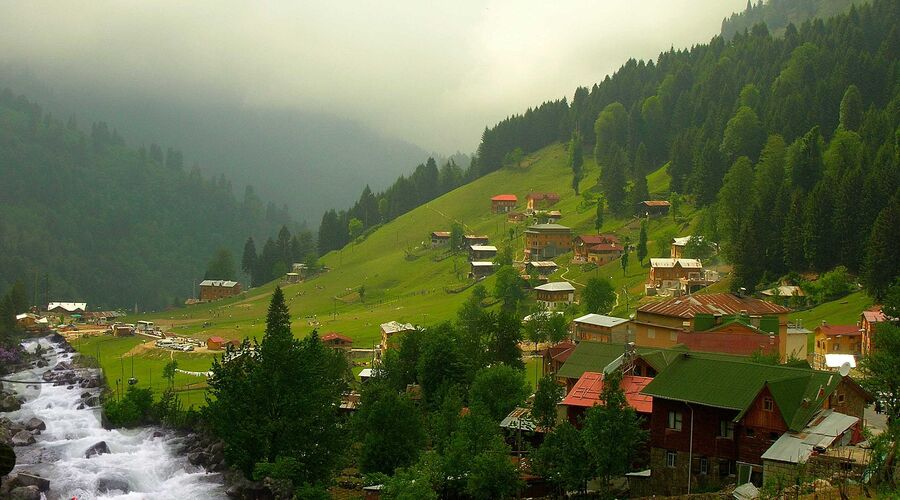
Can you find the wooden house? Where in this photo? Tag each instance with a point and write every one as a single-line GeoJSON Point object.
{"type": "Point", "coordinates": [216, 343]}
{"type": "Point", "coordinates": [537, 201]}
{"type": "Point", "coordinates": [480, 269]}
{"type": "Point", "coordinates": [674, 273]}
{"type": "Point", "coordinates": [714, 419]}
{"type": "Point", "coordinates": [582, 244]}
{"type": "Point", "coordinates": [474, 239]}
{"type": "Point", "coordinates": [335, 340]}
{"type": "Point", "coordinates": [555, 295]}
{"type": "Point", "coordinates": [218, 289]}
{"type": "Point", "coordinates": [541, 268]}
{"type": "Point", "coordinates": [600, 328]}
{"type": "Point", "coordinates": [868, 323]}
{"type": "Point", "coordinates": [503, 203]}
{"type": "Point", "coordinates": [482, 252]}
{"type": "Point", "coordinates": [556, 355]}
{"type": "Point", "coordinates": [547, 241]}
{"type": "Point", "coordinates": [654, 208]}
{"type": "Point", "coordinates": [604, 253]}
{"type": "Point", "coordinates": [440, 238]}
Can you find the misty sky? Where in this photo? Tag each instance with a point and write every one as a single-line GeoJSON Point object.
{"type": "Point", "coordinates": [432, 73]}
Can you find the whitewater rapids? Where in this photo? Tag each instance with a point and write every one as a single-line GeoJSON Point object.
{"type": "Point", "coordinates": [149, 466]}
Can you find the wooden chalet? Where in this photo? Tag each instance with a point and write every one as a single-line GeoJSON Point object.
{"type": "Point", "coordinates": [868, 323]}
{"type": "Point", "coordinates": [481, 268]}
{"type": "Point", "coordinates": [440, 238]}
{"type": "Point", "coordinates": [482, 252]}
{"type": "Point", "coordinates": [836, 339]}
{"type": "Point", "coordinates": [555, 295]}
{"type": "Point", "coordinates": [654, 208]}
{"type": "Point", "coordinates": [391, 330]}
{"type": "Point", "coordinates": [218, 289]}
{"type": "Point", "coordinates": [336, 340]}
{"type": "Point", "coordinates": [547, 241]}
{"type": "Point", "coordinates": [600, 328]}
{"type": "Point", "coordinates": [537, 201]}
{"type": "Point", "coordinates": [586, 393]}
{"type": "Point", "coordinates": [503, 203]}
{"type": "Point", "coordinates": [582, 244]}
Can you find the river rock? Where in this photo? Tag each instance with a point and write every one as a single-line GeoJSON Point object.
{"type": "Point", "coordinates": [22, 438]}
{"type": "Point", "coordinates": [35, 424]}
{"type": "Point", "coordinates": [105, 485]}
{"type": "Point", "coordinates": [25, 493]}
{"type": "Point", "coordinates": [9, 403]}
{"type": "Point", "coordinates": [41, 363]}
{"type": "Point", "coordinates": [198, 458]}
{"type": "Point", "coordinates": [98, 449]}
{"type": "Point", "coordinates": [26, 479]}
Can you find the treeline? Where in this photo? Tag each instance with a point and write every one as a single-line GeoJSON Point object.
{"type": "Point", "coordinates": [85, 217]}
{"type": "Point", "coordinates": [426, 183]}
{"type": "Point", "coordinates": [777, 14]}
{"type": "Point", "coordinates": [717, 107]}
{"type": "Point", "coordinates": [278, 255]}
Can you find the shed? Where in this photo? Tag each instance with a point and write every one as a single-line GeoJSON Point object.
{"type": "Point", "coordinates": [215, 343]}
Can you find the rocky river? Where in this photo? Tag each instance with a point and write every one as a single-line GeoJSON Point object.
{"type": "Point", "coordinates": [63, 451]}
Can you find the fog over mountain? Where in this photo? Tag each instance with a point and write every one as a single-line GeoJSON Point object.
{"type": "Point", "coordinates": [255, 88]}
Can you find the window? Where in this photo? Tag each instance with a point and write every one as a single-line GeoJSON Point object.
{"type": "Point", "coordinates": [726, 429]}
{"type": "Point", "coordinates": [651, 333]}
{"type": "Point", "coordinates": [751, 432]}
{"type": "Point", "coordinates": [637, 370]}
{"type": "Point", "coordinates": [840, 398]}
{"type": "Point", "coordinates": [768, 404]}
{"type": "Point", "coordinates": [704, 466]}
{"type": "Point", "coordinates": [671, 458]}
{"type": "Point", "coordinates": [726, 468]}
{"type": "Point", "coordinates": [674, 420]}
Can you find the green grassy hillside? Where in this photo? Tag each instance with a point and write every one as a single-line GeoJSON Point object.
{"type": "Point", "coordinates": [404, 279]}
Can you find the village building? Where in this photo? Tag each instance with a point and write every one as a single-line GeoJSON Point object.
{"type": "Point", "coordinates": [473, 239]}
{"type": "Point", "coordinates": [481, 268]}
{"type": "Point", "coordinates": [67, 308]}
{"type": "Point", "coordinates": [677, 276]}
{"type": "Point", "coordinates": [716, 322]}
{"type": "Point", "coordinates": [123, 330]}
{"type": "Point", "coordinates": [553, 216]}
{"type": "Point", "coordinates": [537, 201]}
{"type": "Point", "coordinates": [218, 289]}
{"type": "Point", "coordinates": [783, 294]}
{"type": "Point", "coordinates": [600, 328]}
{"type": "Point", "coordinates": [604, 253]}
{"type": "Point", "coordinates": [337, 341]}
{"type": "Point", "coordinates": [516, 217]}
{"type": "Point", "coordinates": [291, 278]}
{"type": "Point", "coordinates": [556, 355]}
{"type": "Point", "coordinates": [32, 322]}
{"type": "Point", "coordinates": [868, 323]}
{"type": "Point", "coordinates": [654, 208]}
{"type": "Point", "coordinates": [714, 420]}
{"type": "Point", "coordinates": [582, 244]}
{"type": "Point", "coordinates": [300, 269]}
{"type": "Point", "coordinates": [503, 203]}
{"type": "Point", "coordinates": [547, 241]}
{"type": "Point", "coordinates": [216, 343]}
{"type": "Point", "coordinates": [836, 339]}
{"type": "Point", "coordinates": [586, 393]}
{"type": "Point", "coordinates": [678, 245]}
{"type": "Point", "coordinates": [440, 238]}
{"type": "Point", "coordinates": [482, 252]}
{"type": "Point", "coordinates": [541, 268]}
{"type": "Point", "coordinates": [391, 330]}
{"type": "Point", "coordinates": [797, 342]}
{"type": "Point", "coordinates": [555, 295]}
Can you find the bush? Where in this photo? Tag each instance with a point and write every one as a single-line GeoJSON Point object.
{"type": "Point", "coordinates": [134, 409]}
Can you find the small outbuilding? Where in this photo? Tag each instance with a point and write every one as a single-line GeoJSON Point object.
{"type": "Point", "coordinates": [555, 295]}
{"type": "Point", "coordinates": [503, 203]}
{"type": "Point", "coordinates": [216, 343]}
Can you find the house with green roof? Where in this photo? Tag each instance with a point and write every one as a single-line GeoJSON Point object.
{"type": "Point", "coordinates": [715, 416]}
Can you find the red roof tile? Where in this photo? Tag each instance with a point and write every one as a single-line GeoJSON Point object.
{"type": "Point", "coordinates": [587, 392]}
{"type": "Point", "coordinates": [834, 330]}
{"type": "Point", "coordinates": [874, 315]}
{"type": "Point", "coordinates": [596, 239]}
{"type": "Point", "coordinates": [505, 197]}
{"type": "Point", "coordinates": [217, 340]}
{"type": "Point", "coordinates": [605, 247]}
{"type": "Point", "coordinates": [713, 303]}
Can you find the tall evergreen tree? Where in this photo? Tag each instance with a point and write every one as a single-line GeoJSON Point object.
{"type": "Point", "coordinates": [881, 266]}
{"type": "Point", "coordinates": [248, 260]}
{"type": "Point", "coordinates": [642, 243]}
{"type": "Point", "coordinates": [851, 109]}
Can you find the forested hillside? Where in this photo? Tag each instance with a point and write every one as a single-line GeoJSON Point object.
{"type": "Point", "coordinates": [777, 14]}
{"type": "Point", "coordinates": [83, 217]}
{"type": "Point", "coordinates": [791, 140]}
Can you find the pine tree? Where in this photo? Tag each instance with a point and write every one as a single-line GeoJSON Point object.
{"type": "Point", "coordinates": [598, 217]}
{"type": "Point", "coordinates": [881, 266]}
{"type": "Point", "coordinates": [576, 160]}
{"type": "Point", "coordinates": [248, 260]}
{"type": "Point", "coordinates": [642, 243]}
{"type": "Point", "coordinates": [639, 192]}
{"type": "Point", "coordinates": [851, 109]}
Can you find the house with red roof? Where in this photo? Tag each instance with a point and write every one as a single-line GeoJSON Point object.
{"type": "Point", "coordinates": [556, 355]}
{"type": "Point", "coordinates": [743, 324]}
{"type": "Point", "coordinates": [582, 244]}
{"type": "Point", "coordinates": [215, 343]}
{"type": "Point", "coordinates": [336, 340]}
{"type": "Point", "coordinates": [836, 339]}
{"type": "Point", "coordinates": [587, 390]}
{"type": "Point", "coordinates": [503, 203]}
{"type": "Point", "coordinates": [868, 322]}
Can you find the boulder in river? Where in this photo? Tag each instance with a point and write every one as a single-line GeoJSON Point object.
{"type": "Point", "coordinates": [98, 449]}
{"type": "Point", "coordinates": [9, 403]}
{"type": "Point", "coordinates": [26, 479]}
{"type": "Point", "coordinates": [22, 438]}
{"type": "Point", "coordinates": [25, 493]}
{"type": "Point", "coordinates": [105, 485]}
{"type": "Point", "coordinates": [35, 424]}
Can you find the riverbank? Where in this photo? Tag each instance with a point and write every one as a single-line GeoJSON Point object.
{"type": "Point", "coordinates": [59, 437]}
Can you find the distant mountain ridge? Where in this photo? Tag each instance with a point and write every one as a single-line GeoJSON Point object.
{"type": "Point", "coordinates": [309, 161]}
{"type": "Point", "coordinates": [777, 14]}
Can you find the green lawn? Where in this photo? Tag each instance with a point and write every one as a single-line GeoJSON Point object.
{"type": "Point", "coordinates": [404, 278]}
{"type": "Point", "coordinates": [844, 311]}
